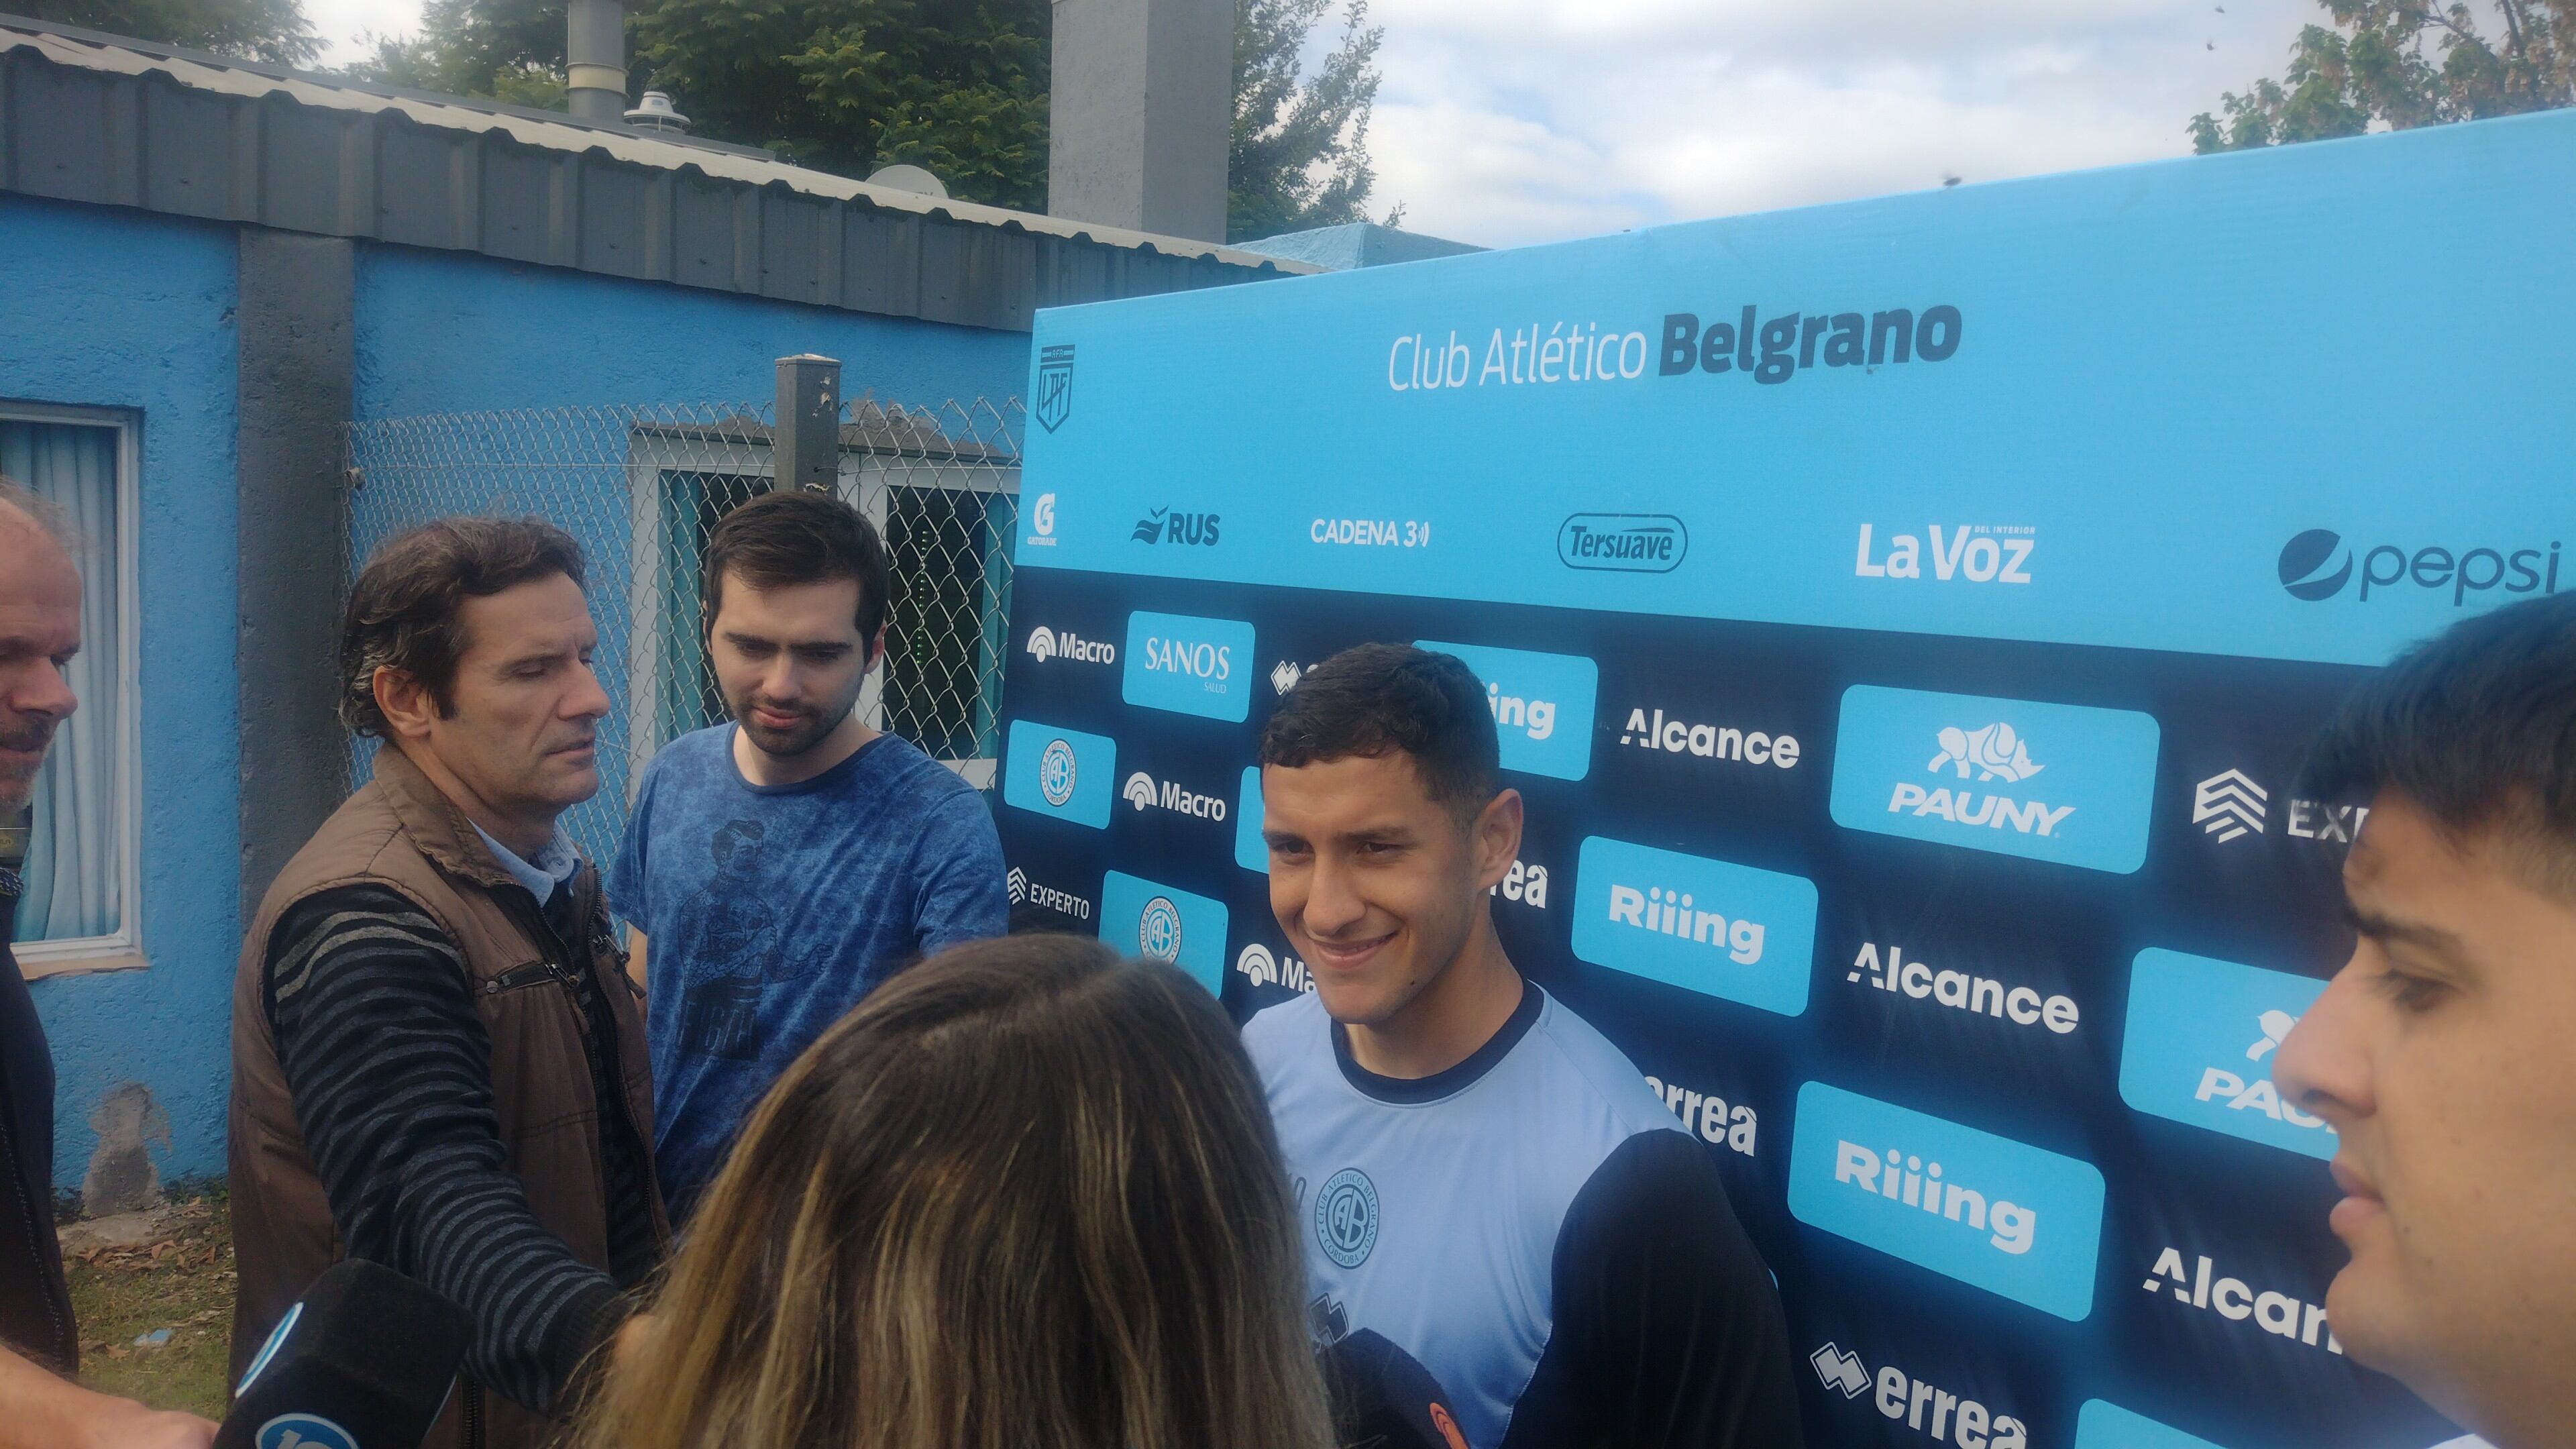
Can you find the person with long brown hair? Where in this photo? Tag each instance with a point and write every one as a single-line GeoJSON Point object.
{"type": "Point", "coordinates": [1025, 1195]}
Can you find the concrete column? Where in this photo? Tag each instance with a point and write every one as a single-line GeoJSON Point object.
{"type": "Point", "coordinates": [595, 61]}
{"type": "Point", "coordinates": [294, 387]}
{"type": "Point", "coordinates": [806, 450]}
{"type": "Point", "coordinates": [1141, 114]}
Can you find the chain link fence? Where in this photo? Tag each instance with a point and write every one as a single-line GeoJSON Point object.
{"type": "Point", "coordinates": [641, 488]}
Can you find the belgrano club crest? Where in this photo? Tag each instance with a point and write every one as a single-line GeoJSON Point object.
{"type": "Point", "coordinates": [1055, 385]}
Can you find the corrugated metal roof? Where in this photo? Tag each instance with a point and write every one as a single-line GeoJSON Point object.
{"type": "Point", "coordinates": [87, 117]}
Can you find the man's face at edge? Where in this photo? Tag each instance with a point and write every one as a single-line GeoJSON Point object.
{"type": "Point", "coordinates": [39, 634]}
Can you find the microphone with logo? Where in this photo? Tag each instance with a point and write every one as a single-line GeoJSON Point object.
{"type": "Point", "coordinates": [1383, 1398]}
{"type": "Point", "coordinates": [364, 1360]}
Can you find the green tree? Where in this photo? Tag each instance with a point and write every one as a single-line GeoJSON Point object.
{"type": "Point", "coordinates": [503, 50]}
{"type": "Point", "coordinates": [1300, 154]}
{"type": "Point", "coordinates": [2402, 64]}
{"type": "Point", "coordinates": [274, 31]}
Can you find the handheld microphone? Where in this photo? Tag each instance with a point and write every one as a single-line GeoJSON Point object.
{"type": "Point", "coordinates": [1383, 1398]}
{"type": "Point", "coordinates": [364, 1360]}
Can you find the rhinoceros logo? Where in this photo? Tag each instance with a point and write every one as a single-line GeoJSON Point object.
{"type": "Point", "coordinates": [1995, 752]}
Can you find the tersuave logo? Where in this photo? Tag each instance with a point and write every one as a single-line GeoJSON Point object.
{"type": "Point", "coordinates": [1060, 772]}
{"type": "Point", "coordinates": [1164, 526]}
{"type": "Point", "coordinates": [2058, 782]}
{"type": "Point", "coordinates": [1257, 964]}
{"type": "Point", "coordinates": [1991, 1212]}
{"type": "Point", "coordinates": [1046, 644]}
{"type": "Point", "coordinates": [1141, 792]}
{"type": "Point", "coordinates": [1945, 1416]}
{"type": "Point", "coordinates": [1166, 923]}
{"type": "Point", "coordinates": [1026, 892]}
{"type": "Point", "coordinates": [2199, 1045]}
{"type": "Point", "coordinates": [2237, 1301]}
{"type": "Point", "coordinates": [1674, 736]}
{"type": "Point", "coordinates": [1541, 703]}
{"type": "Point", "coordinates": [1188, 665]}
{"type": "Point", "coordinates": [1635, 543]}
{"type": "Point", "coordinates": [1707, 1114]}
{"type": "Point", "coordinates": [1709, 926]}
{"type": "Point", "coordinates": [2318, 564]}
{"type": "Point", "coordinates": [1976, 553]}
{"type": "Point", "coordinates": [1962, 992]}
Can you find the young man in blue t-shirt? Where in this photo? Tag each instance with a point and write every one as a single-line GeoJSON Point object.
{"type": "Point", "coordinates": [779, 867]}
{"type": "Point", "coordinates": [1483, 1178]}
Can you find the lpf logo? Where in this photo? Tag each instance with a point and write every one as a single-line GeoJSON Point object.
{"type": "Point", "coordinates": [1055, 385]}
{"type": "Point", "coordinates": [1346, 1217]}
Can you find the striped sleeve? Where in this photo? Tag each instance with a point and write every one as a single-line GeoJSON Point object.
{"type": "Point", "coordinates": [391, 1073]}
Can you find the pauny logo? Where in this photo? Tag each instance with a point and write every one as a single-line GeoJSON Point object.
{"type": "Point", "coordinates": [2229, 805]}
{"type": "Point", "coordinates": [1841, 1370]}
{"type": "Point", "coordinates": [1995, 750]}
{"type": "Point", "coordinates": [2197, 1045]}
{"type": "Point", "coordinates": [2317, 564]}
{"type": "Point", "coordinates": [1055, 385]}
{"type": "Point", "coordinates": [1346, 1217]}
{"type": "Point", "coordinates": [1164, 526]}
{"type": "Point", "coordinates": [1636, 543]}
{"type": "Point", "coordinates": [1158, 929]}
{"type": "Point", "coordinates": [1056, 772]}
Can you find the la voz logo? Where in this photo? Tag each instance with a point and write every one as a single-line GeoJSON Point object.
{"type": "Point", "coordinates": [2059, 782]}
{"type": "Point", "coordinates": [2200, 1044]}
{"type": "Point", "coordinates": [1710, 926]}
{"type": "Point", "coordinates": [1165, 923]}
{"type": "Point", "coordinates": [1541, 703]}
{"type": "Point", "coordinates": [1189, 665]}
{"type": "Point", "coordinates": [1069, 774]}
{"type": "Point", "coordinates": [1997, 1214]}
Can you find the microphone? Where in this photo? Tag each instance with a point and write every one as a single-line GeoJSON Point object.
{"type": "Point", "coordinates": [1383, 1398]}
{"type": "Point", "coordinates": [364, 1360]}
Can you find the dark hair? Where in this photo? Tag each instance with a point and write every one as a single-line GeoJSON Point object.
{"type": "Point", "coordinates": [404, 610]}
{"type": "Point", "coordinates": [797, 536]}
{"type": "Point", "coordinates": [2477, 727]}
{"type": "Point", "coordinates": [1375, 699]}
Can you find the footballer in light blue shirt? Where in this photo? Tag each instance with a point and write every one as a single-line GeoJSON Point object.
{"type": "Point", "coordinates": [1482, 1178]}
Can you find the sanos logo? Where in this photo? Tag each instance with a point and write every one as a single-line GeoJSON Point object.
{"type": "Point", "coordinates": [1060, 772]}
{"type": "Point", "coordinates": [1165, 923]}
{"type": "Point", "coordinates": [1998, 1214]}
{"type": "Point", "coordinates": [1257, 964]}
{"type": "Point", "coordinates": [1947, 1417]}
{"type": "Point", "coordinates": [1911, 763]}
{"type": "Point", "coordinates": [1709, 926]}
{"type": "Point", "coordinates": [1046, 644]}
{"type": "Point", "coordinates": [2101, 1424]}
{"type": "Point", "coordinates": [1542, 705]}
{"type": "Point", "coordinates": [2199, 1047]}
{"type": "Point", "coordinates": [1189, 665]}
{"type": "Point", "coordinates": [1634, 543]}
{"type": "Point", "coordinates": [2316, 565]}
{"type": "Point", "coordinates": [1141, 792]}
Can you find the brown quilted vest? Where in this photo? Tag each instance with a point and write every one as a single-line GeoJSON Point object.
{"type": "Point", "coordinates": [400, 831]}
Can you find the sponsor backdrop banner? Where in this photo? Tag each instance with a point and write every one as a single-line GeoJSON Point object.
{"type": "Point", "coordinates": [1905, 621]}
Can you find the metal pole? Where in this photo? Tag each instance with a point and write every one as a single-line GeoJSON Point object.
{"type": "Point", "coordinates": [807, 448]}
{"type": "Point", "coordinates": [595, 60]}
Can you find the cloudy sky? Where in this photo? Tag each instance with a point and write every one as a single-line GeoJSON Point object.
{"type": "Point", "coordinates": [1506, 121]}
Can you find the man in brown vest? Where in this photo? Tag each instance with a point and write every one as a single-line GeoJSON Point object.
{"type": "Point", "coordinates": [438, 1062]}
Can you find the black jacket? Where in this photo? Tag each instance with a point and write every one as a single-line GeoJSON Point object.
{"type": "Point", "coordinates": [35, 1307]}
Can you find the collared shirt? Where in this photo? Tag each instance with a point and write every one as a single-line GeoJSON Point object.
{"type": "Point", "coordinates": [553, 868]}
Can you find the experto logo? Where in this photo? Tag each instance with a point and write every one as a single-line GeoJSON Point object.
{"type": "Point", "coordinates": [2319, 564]}
{"type": "Point", "coordinates": [1636, 543]}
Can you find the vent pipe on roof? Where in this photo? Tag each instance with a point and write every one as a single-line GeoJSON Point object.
{"type": "Point", "coordinates": [595, 60]}
{"type": "Point", "coordinates": [1141, 114]}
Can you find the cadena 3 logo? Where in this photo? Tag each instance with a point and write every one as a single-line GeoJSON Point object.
{"type": "Point", "coordinates": [2317, 565]}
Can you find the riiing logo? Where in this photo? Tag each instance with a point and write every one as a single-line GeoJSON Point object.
{"type": "Point", "coordinates": [2318, 564]}
{"type": "Point", "coordinates": [2229, 804]}
{"type": "Point", "coordinates": [2195, 1284]}
{"type": "Point", "coordinates": [1143, 793]}
{"type": "Point", "coordinates": [1165, 923]}
{"type": "Point", "coordinates": [1977, 554]}
{"type": "Point", "coordinates": [1634, 543]}
{"type": "Point", "coordinates": [1945, 1416]}
{"type": "Point", "coordinates": [1709, 926]}
{"type": "Point", "coordinates": [1541, 703]}
{"type": "Point", "coordinates": [1524, 883]}
{"type": "Point", "coordinates": [1708, 1114]}
{"type": "Point", "coordinates": [2058, 782]}
{"type": "Point", "coordinates": [1675, 736]}
{"type": "Point", "coordinates": [1046, 644]}
{"type": "Point", "coordinates": [1164, 526]}
{"type": "Point", "coordinates": [1024, 891]}
{"type": "Point", "coordinates": [1960, 991]}
{"type": "Point", "coordinates": [1261, 966]}
{"type": "Point", "coordinates": [1998, 1214]}
{"type": "Point", "coordinates": [1061, 772]}
{"type": "Point", "coordinates": [2199, 1044]}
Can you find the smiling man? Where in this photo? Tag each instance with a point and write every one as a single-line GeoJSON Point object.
{"type": "Point", "coordinates": [1483, 1179]}
{"type": "Point", "coordinates": [2444, 1052]}
{"type": "Point", "coordinates": [438, 1062]}
{"type": "Point", "coordinates": [777, 868]}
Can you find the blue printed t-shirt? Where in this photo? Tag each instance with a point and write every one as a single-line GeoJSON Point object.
{"type": "Point", "coordinates": [769, 911]}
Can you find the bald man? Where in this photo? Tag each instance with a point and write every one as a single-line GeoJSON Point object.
{"type": "Point", "coordinates": [39, 633]}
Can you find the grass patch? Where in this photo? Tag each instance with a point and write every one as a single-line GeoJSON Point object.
{"type": "Point", "coordinates": [184, 1282]}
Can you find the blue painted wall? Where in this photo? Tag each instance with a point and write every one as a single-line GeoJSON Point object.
{"type": "Point", "coordinates": [443, 333]}
{"type": "Point", "coordinates": [118, 309]}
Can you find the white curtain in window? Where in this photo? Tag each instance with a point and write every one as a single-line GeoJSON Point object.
{"type": "Point", "coordinates": [72, 869]}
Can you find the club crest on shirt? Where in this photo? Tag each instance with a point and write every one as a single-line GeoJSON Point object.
{"type": "Point", "coordinates": [1346, 1217]}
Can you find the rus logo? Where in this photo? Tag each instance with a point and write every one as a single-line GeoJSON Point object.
{"type": "Point", "coordinates": [1164, 526]}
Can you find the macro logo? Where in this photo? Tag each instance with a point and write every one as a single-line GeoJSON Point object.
{"type": "Point", "coordinates": [1261, 966]}
{"type": "Point", "coordinates": [1046, 644]}
{"type": "Point", "coordinates": [2319, 564]}
{"type": "Point", "coordinates": [1164, 526]}
{"type": "Point", "coordinates": [1061, 772]}
{"type": "Point", "coordinates": [1541, 703]}
{"type": "Point", "coordinates": [1165, 923]}
{"type": "Point", "coordinates": [2056, 782]}
{"type": "Point", "coordinates": [1189, 665]}
{"type": "Point", "coordinates": [1143, 793]}
{"type": "Point", "coordinates": [1346, 1217]}
{"type": "Point", "coordinates": [2101, 1424]}
{"type": "Point", "coordinates": [1633, 543]}
{"type": "Point", "coordinates": [1041, 532]}
{"type": "Point", "coordinates": [1710, 926]}
{"type": "Point", "coordinates": [2200, 1044]}
{"type": "Point", "coordinates": [1991, 1212]}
